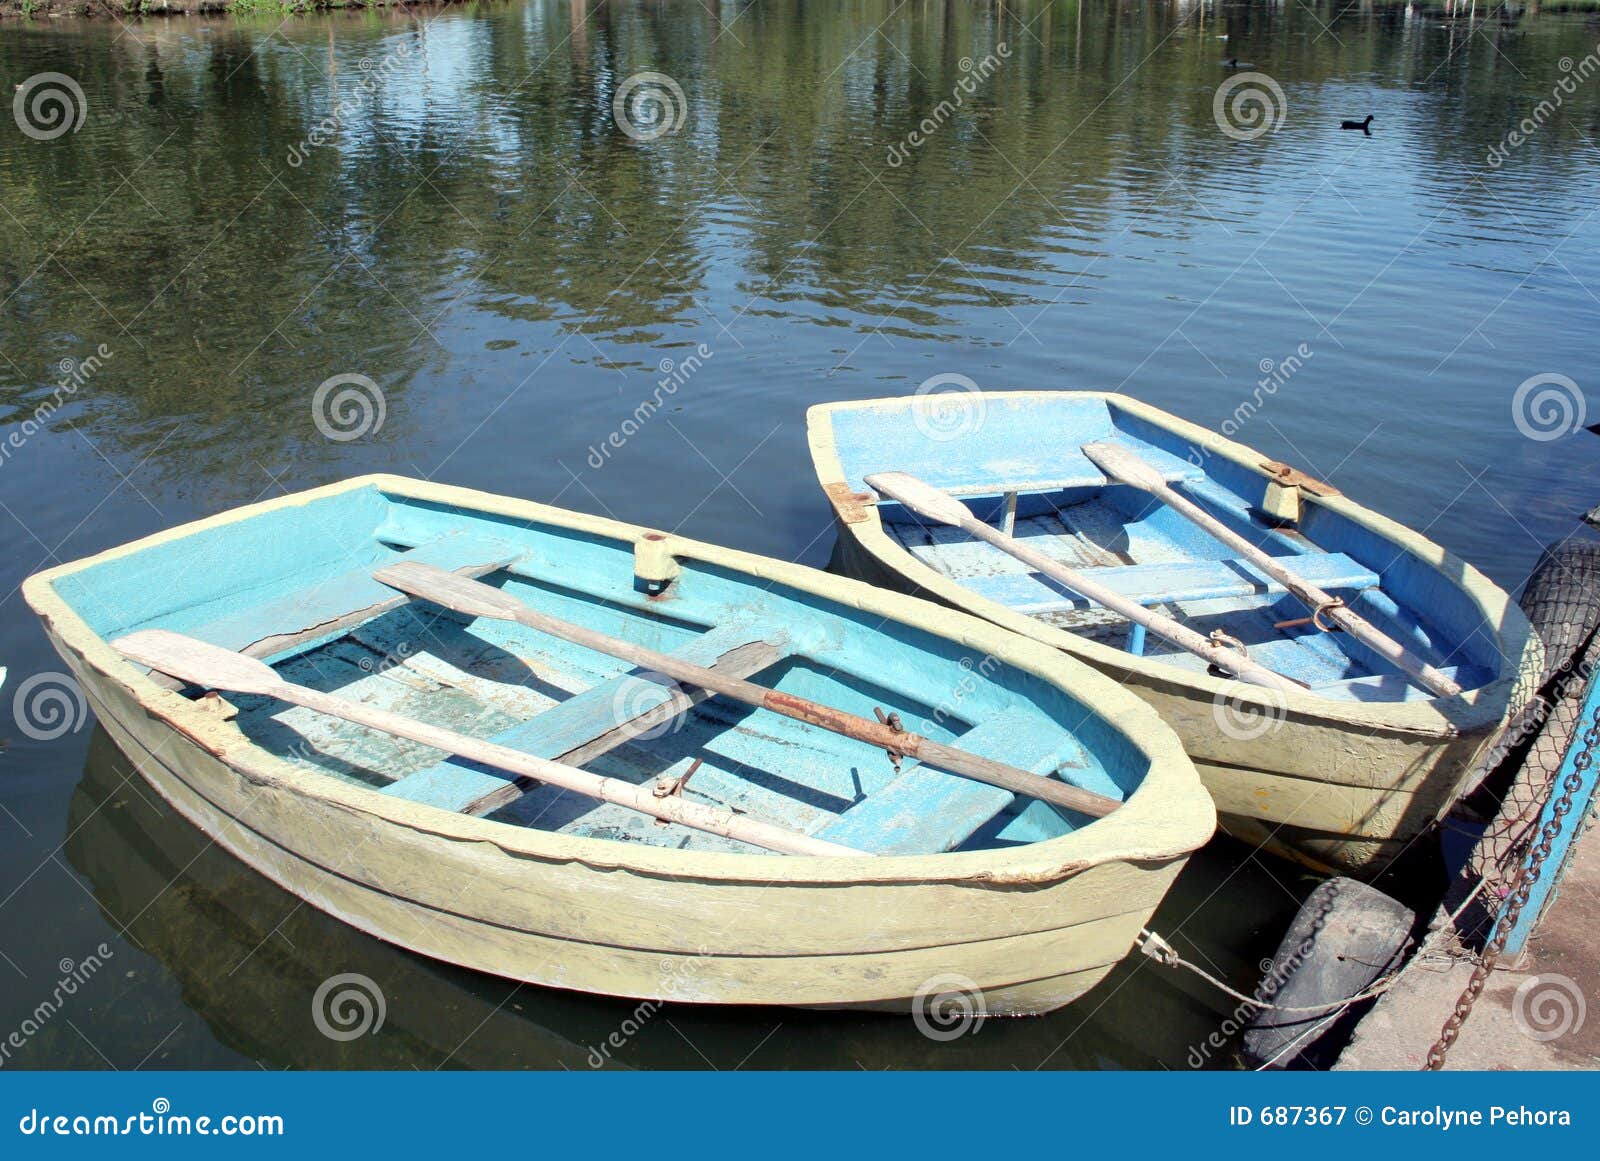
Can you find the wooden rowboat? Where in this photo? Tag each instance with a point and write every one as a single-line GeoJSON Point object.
{"type": "Point", "coordinates": [400, 766]}
{"type": "Point", "coordinates": [1350, 758]}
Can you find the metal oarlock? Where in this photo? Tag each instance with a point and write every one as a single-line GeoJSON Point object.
{"type": "Point", "coordinates": [893, 722]}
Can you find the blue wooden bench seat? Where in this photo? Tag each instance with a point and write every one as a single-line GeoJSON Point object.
{"type": "Point", "coordinates": [1153, 584]}
{"type": "Point", "coordinates": [568, 727]}
{"type": "Point", "coordinates": [1041, 466]}
{"type": "Point", "coordinates": [343, 595]}
{"type": "Point", "coordinates": [1392, 687]}
{"type": "Point", "coordinates": [926, 810]}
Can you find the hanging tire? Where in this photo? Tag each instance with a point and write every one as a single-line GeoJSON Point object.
{"type": "Point", "coordinates": [1345, 937]}
{"type": "Point", "coordinates": [1562, 600]}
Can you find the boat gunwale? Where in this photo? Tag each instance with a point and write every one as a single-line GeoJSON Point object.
{"type": "Point", "coordinates": [1479, 709]}
{"type": "Point", "coordinates": [1168, 816]}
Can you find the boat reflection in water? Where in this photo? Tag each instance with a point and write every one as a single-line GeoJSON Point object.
{"type": "Point", "coordinates": [250, 959]}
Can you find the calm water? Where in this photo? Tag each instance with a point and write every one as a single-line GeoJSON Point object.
{"type": "Point", "coordinates": [446, 204]}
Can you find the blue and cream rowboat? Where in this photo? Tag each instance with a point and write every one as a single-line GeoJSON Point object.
{"type": "Point", "coordinates": [934, 877]}
{"type": "Point", "coordinates": [1344, 771]}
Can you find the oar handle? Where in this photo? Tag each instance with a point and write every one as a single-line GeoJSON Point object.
{"type": "Point", "coordinates": [700, 816]}
{"type": "Point", "coordinates": [938, 754]}
{"type": "Point", "coordinates": [1014, 779]}
{"type": "Point", "coordinates": [417, 581]}
{"type": "Point", "coordinates": [1311, 595]}
{"type": "Point", "coordinates": [1165, 627]}
{"type": "Point", "coordinates": [935, 504]}
{"type": "Point", "coordinates": [213, 667]}
{"type": "Point", "coordinates": [876, 734]}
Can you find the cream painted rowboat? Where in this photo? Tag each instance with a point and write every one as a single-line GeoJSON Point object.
{"type": "Point", "coordinates": [465, 862]}
{"type": "Point", "coordinates": [1343, 771]}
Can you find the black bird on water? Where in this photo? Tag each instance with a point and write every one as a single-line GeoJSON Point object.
{"type": "Point", "coordinates": [1364, 126]}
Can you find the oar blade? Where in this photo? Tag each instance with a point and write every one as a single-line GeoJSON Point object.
{"type": "Point", "coordinates": [923, 499]}
{"type": "Point", "coordinates": [449, 590]}
{"type": "Point", "coordinates": [197, 662]}
{"type": "Point", "coordinates": [1123, 464]}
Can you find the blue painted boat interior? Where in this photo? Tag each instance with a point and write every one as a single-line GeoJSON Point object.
{"type": "Point", "coordinates": [296, 582]}
{"type": "Point", "coordinates": [1132, 542]}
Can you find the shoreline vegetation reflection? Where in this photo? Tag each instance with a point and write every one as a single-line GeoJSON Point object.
{"type": "Point", "coordinates": [789, 193]}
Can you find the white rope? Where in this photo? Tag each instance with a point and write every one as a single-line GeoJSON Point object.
{"type": "Point", "coordinates": [1163, 952]}
{"type": "Point", "coordinates": [1309, 1034]}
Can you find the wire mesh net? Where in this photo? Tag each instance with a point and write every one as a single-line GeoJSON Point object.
{"type": "Point", "coordinates": [1516, 773]}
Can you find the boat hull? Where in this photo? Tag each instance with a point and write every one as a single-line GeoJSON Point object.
{"type": "Point", "coordinates": [1022, 930]}
{"type": "Point", "coordinates": [516, 919]}
{"type": "Point", "coordinates": [1341, 788]}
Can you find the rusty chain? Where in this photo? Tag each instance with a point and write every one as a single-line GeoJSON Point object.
{"type": "Point", "coordinates": [1517, 899]}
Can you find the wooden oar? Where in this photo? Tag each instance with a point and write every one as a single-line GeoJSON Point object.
{"type": "Point", "coordinates": [476, 599]}
{"type": "Point", "coordinates": [1124, 465]}
{"type": "Point", "coordinates": [931, 502]}
{"type": "Point", "coordinates": [214, 667]}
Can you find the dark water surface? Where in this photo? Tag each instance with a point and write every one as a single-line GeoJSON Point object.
{"type": "Point", "coordinates": [446, 204]}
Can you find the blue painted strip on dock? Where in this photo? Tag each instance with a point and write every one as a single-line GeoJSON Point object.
{"type": "Point", "coordinates": [1544, 890]}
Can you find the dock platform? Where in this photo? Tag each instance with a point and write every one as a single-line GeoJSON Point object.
{"type": "Point", "coordinates": [1544, 1014]}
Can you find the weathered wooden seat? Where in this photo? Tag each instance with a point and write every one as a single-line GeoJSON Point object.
{"type": "Point", "coordinates": [925, 809]}
{"type": "Point", "coordinates": [330, 607]}
{"type": "Point", "coordinates": [1153, 584]}
{"type": "Point", "coordinates": [1024, 461]}
{"type": "Point", "coordinates": [586, 725]}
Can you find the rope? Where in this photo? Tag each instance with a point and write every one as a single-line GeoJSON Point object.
{"type": "Point", "coordinates": [1163, 952]}
{"type": "Point", "coordinates": [1301, 1040]}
